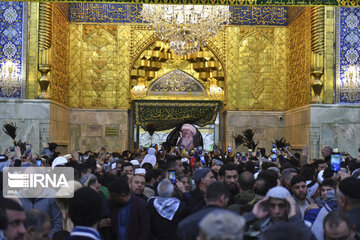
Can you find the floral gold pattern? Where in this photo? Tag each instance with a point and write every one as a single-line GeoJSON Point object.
{"type": "Point", "coordinates": [299, 61]}
{"type": "Point", "coordinates": [256, 68]}
{"type": "Point", "coordinates": [60, 57]}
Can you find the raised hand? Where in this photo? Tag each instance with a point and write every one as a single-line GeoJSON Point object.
{"type": "Point", "coordinates": [260, 209]}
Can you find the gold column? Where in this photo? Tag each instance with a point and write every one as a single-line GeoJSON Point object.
{"type": "Point", "coordinates": [329, 59]}
{"type": "Point", "coordinates": [45, 26]}
{"type": "Point", "coordinates": [33, 53]}
{"type": "Point", "coordinates": [317, 47]}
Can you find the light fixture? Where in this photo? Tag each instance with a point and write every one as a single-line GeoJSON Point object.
{"type": "Point", "coordinates": [351, 83]}
{"type": "Point", "coordinates": [215, 91]}
{"type": "Point", "coordinates": [10, 79]}
{"type": "Point", "coordinates": [186, 28]}
{"type": "Point", "coordinates": [139, 90]}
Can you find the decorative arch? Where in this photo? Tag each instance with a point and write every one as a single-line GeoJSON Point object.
{"type": "Point", "coordinates": [153, 38]}
{"type": "Point", "coordinates": [176, 82]}
{"type": "Point", "coordinates": [150, 40]}
{"type": "Point", "coordinates": [143, 47]}
{"type": "Point", "coordinates": [211, 46]}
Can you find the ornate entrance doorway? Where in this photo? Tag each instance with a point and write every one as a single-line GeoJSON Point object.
{"type": "Point", "coordinates": [154, 116]}
{"type": "Point", "coordinates": [168, 90]}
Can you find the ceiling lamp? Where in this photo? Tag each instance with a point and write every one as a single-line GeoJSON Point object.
{"type": "Point", "coordinates": [351, 83]}
{"type": "Point", "coordinates": [10, 79]}
{"type": "Point", "coordinates": [139, 90]}
{"type": "Point", "coordinates": [215, 91]}
{"type": "Point", "coordinates": [186, 28]}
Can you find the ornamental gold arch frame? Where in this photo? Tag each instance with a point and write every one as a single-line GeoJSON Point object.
{"type": "Point", "coordinates": [134, 58]}
{"type": "Point", "coordinates": [153, 38]}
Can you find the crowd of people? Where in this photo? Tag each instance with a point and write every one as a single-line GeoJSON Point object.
{"type": "Point", "coordinates": [176, 193]}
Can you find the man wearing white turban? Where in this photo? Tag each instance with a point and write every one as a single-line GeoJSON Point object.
{"type": "Point", "coordinates": [188, 132]}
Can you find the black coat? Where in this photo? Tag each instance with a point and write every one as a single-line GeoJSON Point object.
{"type": "Point", "coordinates": [197, 200]}
{"type": "Point", "coordinates": [139, 222]}
{"type": "Point", "coordinates": [162, 228]}
{"type": "Point", "coordinates": [188, 228]}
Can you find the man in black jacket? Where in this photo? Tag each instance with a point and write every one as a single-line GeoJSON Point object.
{"type": "Point", "coordinates": [166, 212]}
{"type": "Point", "coordinates": [203, 179]}
{"type": "Point", "coordinates": [217, 197]}
{"type": "Point", "coordinates": [130, 218]}
{"type": "Point", "coordinates": [85, 210]}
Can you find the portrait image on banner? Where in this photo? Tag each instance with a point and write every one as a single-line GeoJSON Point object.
{"type": "Point", "coordinates": [186, 136]}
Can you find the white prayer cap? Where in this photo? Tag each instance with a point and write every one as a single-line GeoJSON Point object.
{"type": "Point", "coordinates": [135, 162]}
{"type": "Point", "coordinates": [140, 171]}
{"type": "Point", "coordinates": [59, 161]}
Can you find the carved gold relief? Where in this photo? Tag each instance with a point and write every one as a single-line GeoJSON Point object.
{"type": "Point", "coordinates": [64, 8]}
{"type": "Point", "coordinates": [44, 44]}
{"type": "Point", "coordinates": [123, 79]}
{"type": "Point", "coordinates": [278, 90]}
{"type": "Point", "coordinates": [32, 51]}
{"type": "Point", "coordinates": [255, 59]}
{"type": "Point", "coordinates": [102, 65]}
{"type": "Point", "coordinates": [318, 48]}
{"type": "Point", "coordinates": [329, 65]}
{"type": "Point", "coordinates": [141, 38]}
{"type": "Point", "coordinates": [299, 61]}
{"type": "Point", "coordinates": [157, 60]}
{"type": "Point", "coordinates": [45, 17]}
{"type": "Point", "coordinates": [60, 57]}
{"type": "Point", "coordinates": [99, 66]}
{"type": "Point", "coordinates": [99, 58]}
{"type": "Point", "coordinates": [218, 45]}
{"type": "Point", "coordinates": [89, 29]}
{"type": "Point", "coordinates": [75, 84]}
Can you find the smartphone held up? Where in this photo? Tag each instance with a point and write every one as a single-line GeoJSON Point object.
{"type": "Point", "coordinates": [335, 161]}
{"type": "Point", "coordinates": [172, 176]}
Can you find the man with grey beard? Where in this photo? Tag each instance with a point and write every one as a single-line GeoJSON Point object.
{"type": "Point", "coordinates": [187, 134]}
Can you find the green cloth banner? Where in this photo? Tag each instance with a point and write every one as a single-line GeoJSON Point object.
{"type": "Point", "coordinates": [162, 115]}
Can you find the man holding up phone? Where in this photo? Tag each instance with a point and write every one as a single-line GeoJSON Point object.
{"type": "Point", "coordinates": [278, 205]}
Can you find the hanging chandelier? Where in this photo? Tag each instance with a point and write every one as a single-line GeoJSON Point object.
{"type": "Point", "coordinates": [215, 91]}
{"type": "Point", "coordinates": [351, 83]}
{"type": "Point", "coordinates": [186, 28]}
{"type": "Point", "coordinates": [139, 90]}
{"type": "Point", "coordinates": [10, 79]}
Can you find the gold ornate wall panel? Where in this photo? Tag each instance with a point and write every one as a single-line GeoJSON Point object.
{"type": "Point", "coordinates": [267, 68]}
{"type": "Point", "coordinates": [99, 59]}
{"type": "Point", "coordinates": [329, 66]}
{"type": "Point", "coordinates": [256, 68]}
{"type": "Point", "coordinates": [280, 71]}
{"type": "Point", "coordinates": [75, 66]}
{"type": "Point", "coordinates": [293, 13]}
{"type": "Point", "coordinates": [123, 84]}
{"type": "Point", "coordinates": [218, 45]}
{"type": "Point", "coordinates": [157, 61]}
{"type": "Point", "coordinates": [140, 38]}
{"type": "Point", "coordinates": [99, 66]}
{"type": "Point", "coordinates": [299, 61]}
{"type": "Point", "coordinates": [64, 8]}
{"type": "Point", "coordinates": [60, 57]}
{"type": "Point", "coordinates": [32, 58]}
